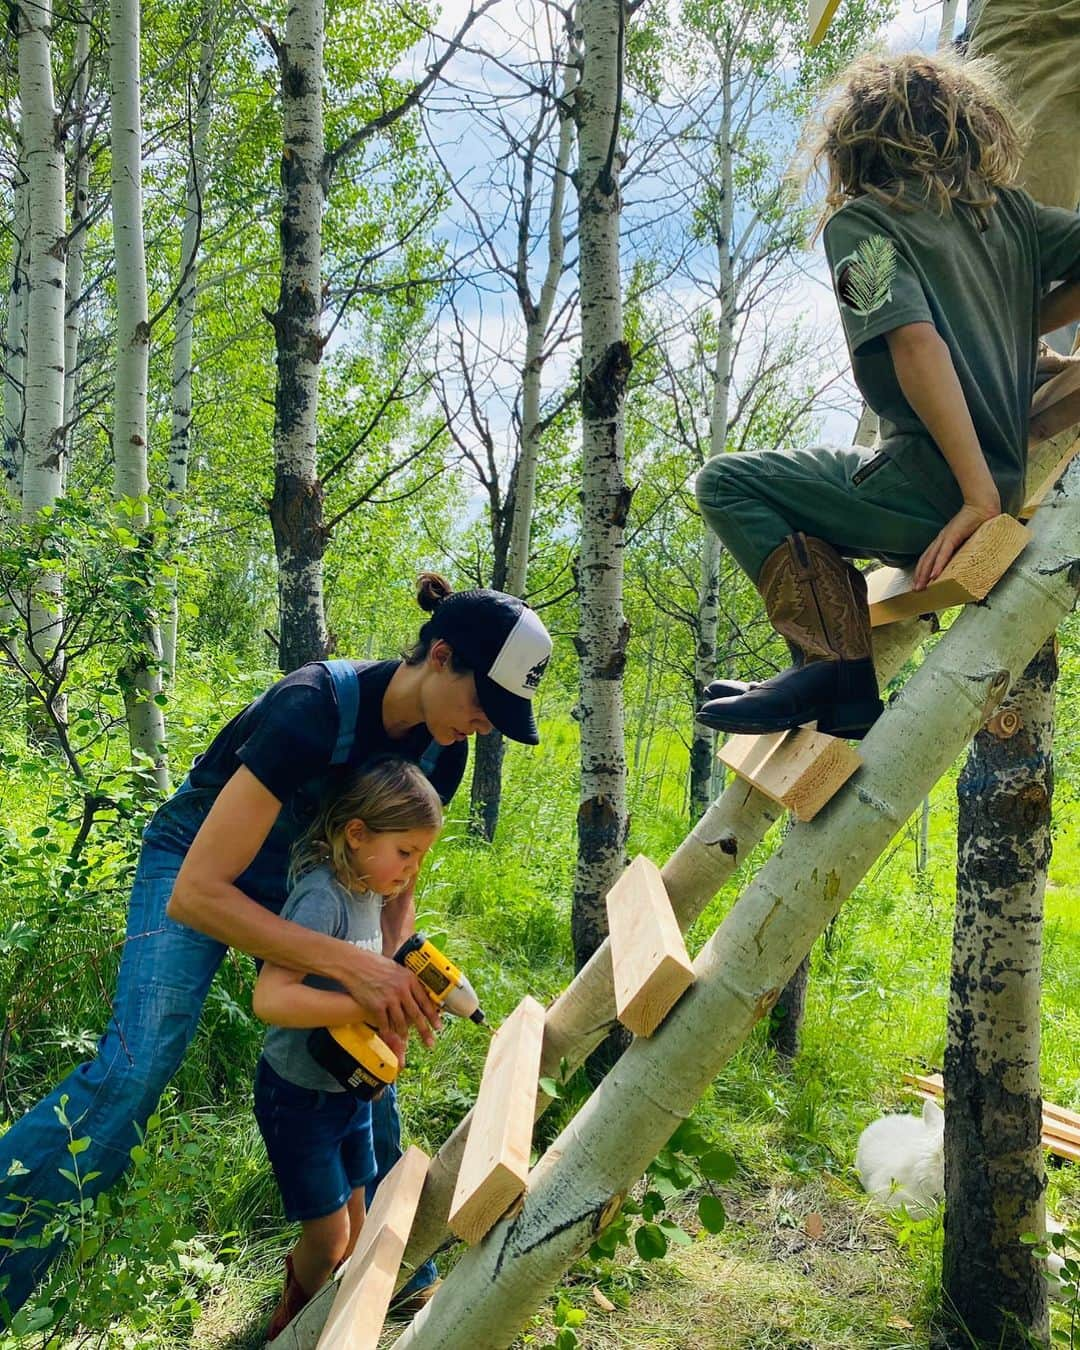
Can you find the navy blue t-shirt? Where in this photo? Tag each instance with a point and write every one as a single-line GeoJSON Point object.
{"type": "Point", "coordinates": [286, 738]}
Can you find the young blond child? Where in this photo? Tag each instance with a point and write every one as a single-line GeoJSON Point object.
{"type": "Point", "coordinates": [943, 274]}
{"type": "Point", "coordinates": [364, 848]}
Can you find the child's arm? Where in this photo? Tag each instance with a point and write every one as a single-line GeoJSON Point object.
{"type": "Point", "coordinates": [928, 379]}
{"type": "Point", "coordinates": [281, 999]}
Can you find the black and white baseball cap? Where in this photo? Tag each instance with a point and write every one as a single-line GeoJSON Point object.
{"type": "Point", "coordinates": [503, 641]}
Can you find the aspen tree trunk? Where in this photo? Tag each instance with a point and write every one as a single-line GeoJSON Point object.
{"type": "Point", "coordinates": [43, 407]}
{"type": "Point", "coordinates": [486, 792]}
{"type": "Point", "coordinates": [296, 509]}
{"type": "Point", "coordinates": [995, 1292]}
{"type": "Point", "coordinates": [994, 1289]}
{"type": "Point", "coordinates": [703, 741]}
{"type": "Point", "coordinates": [80, 184]}
{"type": "Point", "coordinates": [605, 497]}
{"type": "Point", "coordinates": [578, 1185]}
{"type": "Point", "coordinates": [11, 448]}
{"type": "Point", "coordinates": [141, 677]}
{"type": "Point", "coordinates": [183, 333]}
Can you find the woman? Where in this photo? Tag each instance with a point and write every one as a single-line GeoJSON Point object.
{"type": "Point", "coordinates": [212, 874]}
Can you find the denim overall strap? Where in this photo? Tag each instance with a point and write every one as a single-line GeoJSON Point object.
{"type": "Point", "coordinates": [347, 695]}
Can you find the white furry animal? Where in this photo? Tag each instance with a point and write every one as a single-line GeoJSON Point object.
{"type": "Point", "coordinates": [901, 1160]}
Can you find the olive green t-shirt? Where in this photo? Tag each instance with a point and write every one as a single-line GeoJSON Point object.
{"type": "Point", "coordinates": [981, 289]}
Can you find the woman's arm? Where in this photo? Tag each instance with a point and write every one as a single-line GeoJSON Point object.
{"type": "Point", "coordinates": [205, 898]}
{"type": "Point", "coordinates": [282, 999]}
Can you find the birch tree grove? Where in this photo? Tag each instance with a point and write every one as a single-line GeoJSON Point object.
{"type": "Point", "coordinates": [43, 401]}
{"type": "Point", "coordinates": [76, 250]}
{"type": "Point", "coordinates": [577, 1186]}
{"type": "Point", "coordinates": [605, 495]}
{"type": "Point", "coordinates": [141, 679]}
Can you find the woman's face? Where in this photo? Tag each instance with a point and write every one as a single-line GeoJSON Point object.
{"type": "Point", "coordinates": [450, 706]}
{"type": "Point", "coordinates": [389, 861]}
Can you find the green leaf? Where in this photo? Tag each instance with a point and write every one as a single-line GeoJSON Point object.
{"type": "Point", "coordinates": [549, 1087]}
{"type": "Point", "coordinates": [650, 1242]}
{"type": "Point", "coordinates": [716, 1165]}
{"type": "Point", "coordinates": [29, 1320]}
{"type": "Point", "coordinates": [77, 1146]}
{"type": "Point", "coordinates": [711, 1213]}
{"type": "Point", "coordinates": [675, 1234]}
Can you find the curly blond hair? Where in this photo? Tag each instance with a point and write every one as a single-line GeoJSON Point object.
{"type": "Point", "coordinates": [916, 131]}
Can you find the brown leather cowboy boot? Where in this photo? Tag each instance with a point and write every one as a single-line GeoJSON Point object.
{"type": "Point", "coordinates": [294, 1297]}
{"type": "Point", "coordinates": [817, 601]}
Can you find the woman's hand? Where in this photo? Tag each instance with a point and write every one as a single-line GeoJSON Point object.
{"type": "Point", "coordinates": [962, 526]}
{"type": "Point", "coordinates": [392, 997]}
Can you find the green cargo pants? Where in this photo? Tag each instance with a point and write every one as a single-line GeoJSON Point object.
{"type": "Point", "coordinates": [858, 500]}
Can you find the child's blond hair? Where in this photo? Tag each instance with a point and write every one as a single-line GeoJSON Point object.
{"type": "Point", "coordinates": [389, 795]}
{"type": "Point", "coordinates": [916, 131]}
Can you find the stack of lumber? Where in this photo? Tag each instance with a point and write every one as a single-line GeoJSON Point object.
{"type": "Point", "coordinates": [1060, 1126]}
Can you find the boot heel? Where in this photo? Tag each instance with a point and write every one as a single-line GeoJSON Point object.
{"type": "Point", "coordinates": [850, 720]}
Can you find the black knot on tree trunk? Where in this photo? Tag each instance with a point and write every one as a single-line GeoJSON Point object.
{"type": "Point", "coordinates": [604, 386]}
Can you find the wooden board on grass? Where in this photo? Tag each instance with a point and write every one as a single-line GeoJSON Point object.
{"type": "Point", "coordinates": [1060, 1126]}
{"type": "Point", "coordinates": [650, 965]}
{"type": "Point", "coordinates": [494, 1168]}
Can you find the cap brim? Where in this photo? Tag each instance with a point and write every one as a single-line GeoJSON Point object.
{"type": "Point", "coordinates": [509, 713]}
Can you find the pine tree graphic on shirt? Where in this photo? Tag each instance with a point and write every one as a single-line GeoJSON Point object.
{"type": "Point", "coordinates": [865, 277]}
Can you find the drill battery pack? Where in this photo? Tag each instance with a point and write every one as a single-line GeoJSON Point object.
{"type": "Point", "coordinates": [356, 1056]}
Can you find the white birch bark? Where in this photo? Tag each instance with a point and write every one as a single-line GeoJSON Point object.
{"type": "Point", "coordinates": [184, 330]}
{"type": "Point", "coordinates": [703, 741]}
{"type": "Point", "coordinates": [80, 185]}
{"type": "Point", "coordinates": [579, 1183]}
{"type": "Point", "coordinates": [11, 448]}
{"type": "Point", "coordinates": [605, 364]}
{"type": "Point", "coordinates": [296, 508]}
{"type": "Point", "coordinates": [42, 475]}
{"type": "Point", "coordinates": [141, 678]}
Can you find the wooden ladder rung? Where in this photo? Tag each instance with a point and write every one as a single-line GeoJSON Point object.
{"type": "Point", "coordinates": [650, 965]}
{"type": "Point", "coordinates": [367, 1280]}
{"type": "Point", "coordinates": [800, 769]}
{"type": "Point", "coordinates": [970, 575]}
{"type": "Point", "coordinates": [494, 1169]}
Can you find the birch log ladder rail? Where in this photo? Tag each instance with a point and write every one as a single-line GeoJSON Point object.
{"type": "Point", "coordinates": [820, 15]}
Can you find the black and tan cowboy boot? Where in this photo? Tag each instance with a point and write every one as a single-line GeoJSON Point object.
{"type": "Point", "coordinates": [817, 601]}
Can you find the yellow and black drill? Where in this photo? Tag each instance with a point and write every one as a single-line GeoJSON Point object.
{"type": "Point", "coordinates": [357, 1056]}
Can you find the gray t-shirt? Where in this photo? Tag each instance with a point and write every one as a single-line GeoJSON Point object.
{"type": "Point", "coordinates": [320, 902]}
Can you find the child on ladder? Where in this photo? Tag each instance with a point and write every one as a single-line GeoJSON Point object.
{"type": "Point", "coordinates": [941, 271]}
{"type": "Point", "coordinates": [365, 846]}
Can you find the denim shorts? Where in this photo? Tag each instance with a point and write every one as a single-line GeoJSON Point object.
{"type": "Point", "coordinates": [320, 1144]}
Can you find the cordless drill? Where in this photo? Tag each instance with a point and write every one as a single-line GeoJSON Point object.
{"type": "Point", "coordinates": [357, 1056]}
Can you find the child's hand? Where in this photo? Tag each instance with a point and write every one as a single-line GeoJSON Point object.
{"type": "Point", "coordinates": [962, 526]}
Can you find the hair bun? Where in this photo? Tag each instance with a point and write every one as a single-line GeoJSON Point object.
{"type": "Point", "coordinates": [431, 590]}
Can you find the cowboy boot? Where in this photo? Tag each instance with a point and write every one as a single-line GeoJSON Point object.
{"type": "Point", "coordinates": [294, 1297]}
{"type": "Point", "coordinates": [733, 688]}
{"type": "Point", "coordinates": [817, 601]}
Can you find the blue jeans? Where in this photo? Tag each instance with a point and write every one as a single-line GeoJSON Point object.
{"type": "Point", "coordinates": [165, 972]}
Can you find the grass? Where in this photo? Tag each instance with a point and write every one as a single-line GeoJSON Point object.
{"type": "Point", "coordinates": [771, 1279]}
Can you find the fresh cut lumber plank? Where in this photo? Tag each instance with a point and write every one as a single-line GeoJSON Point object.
{"type": "Point", "coordinates": [495, 1166]}
{"type": "Point", "coordinates": [799, 769]}
{"type": "Point", "coordinates": [648, 955]}
{"type": "Point", "coordinates": [367, 1281]}
{"type": "Point", "coordinates": [971, 573]}
{"type": "Point", "coordinates": [1060, 1126]}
